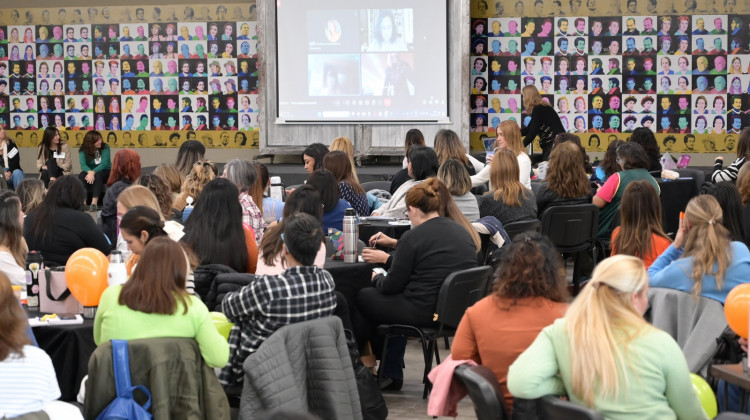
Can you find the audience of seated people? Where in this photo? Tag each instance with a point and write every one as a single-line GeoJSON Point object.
{"type": "Point", "coordinates": [227, 226]}
{"type": "Point", "coordinates": [605, 356]}
{"type": "Point", "coordinates": [413, 137]}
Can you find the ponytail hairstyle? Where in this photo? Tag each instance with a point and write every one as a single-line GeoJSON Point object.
{"type": "Point", "coordinates": [143, 219]}
{"type": "Point", "coordinates": [504, 178]}
{"type": "Point", "coordinates": [433, 196]}
{"type": "Point", "coordinates": [11, 229]}
{"type": "Point", "coordinates": [604, 309]}
{"type": "Point", "coordinates": [340, 166]}
{"type": "Point", "coordinates": [640, 211]}
{"type": "Point", "coordinates": [532, 98]}
{"type": "Point", "coordinates": [707, 240]}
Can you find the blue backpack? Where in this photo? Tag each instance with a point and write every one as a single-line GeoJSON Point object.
{"type": "Point", "coordinates": [124, 407]}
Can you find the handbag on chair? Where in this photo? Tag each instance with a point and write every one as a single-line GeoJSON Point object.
{"type": "Point", "coordinates": [54, 296]}
{"type": "Point", "coordinates": [124, 405]}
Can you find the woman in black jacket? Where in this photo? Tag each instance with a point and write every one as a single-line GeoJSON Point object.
{"type": "Point", "coordinates": [544, 122]}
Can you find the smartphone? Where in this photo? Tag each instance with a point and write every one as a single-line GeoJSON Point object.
{"type": "Point", "coordinates": [378, 270]}
{"type": "Point", "coordinates": [66, 317]}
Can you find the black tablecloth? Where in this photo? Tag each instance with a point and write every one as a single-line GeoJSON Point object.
{"type": "Point", "coordinates": [350, 277]}
{"type": "Point", "coordinates": [69, 347]}
{"type": "Point", "coordinates": [369, 228]}
{"type": "Point", "coordinates": [674, 198]}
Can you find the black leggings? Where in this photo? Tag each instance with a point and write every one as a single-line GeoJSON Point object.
{"type": "Point", "coordinates": [100, 180]}
{"type": "Point", "coordinates": [52, 171]}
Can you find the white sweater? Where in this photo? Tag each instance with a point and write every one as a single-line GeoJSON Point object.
{"type": "Point", "coordinates": [524, 166]}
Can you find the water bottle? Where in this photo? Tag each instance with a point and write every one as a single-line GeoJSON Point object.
{"type": "Point", "coordinates": [116, 273]}
{"type": "Point", "coordinates": [187, 210]}
{"type": "Point", "coordinates": [277, 189]}
{"type": "Point", "coordinates": [351, 233]}
{"type": "Point", "coordinates": [34, 264]}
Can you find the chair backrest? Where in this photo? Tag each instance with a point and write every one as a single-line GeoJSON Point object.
{"type": "Point", "coordinates": [376, 185]}
{"type": "Point", "coordinates": [571, 228]}
{"type": "Point", "coordinates": [484, 391]}
{"type": "Point", "coordinates": [554, 408]}
{"type": "Point", "coordinates": [698, 176]}
{"type": "Point", "coordinates": [460, 290]}
{"type": "Point", "coordinates": [513, 229]}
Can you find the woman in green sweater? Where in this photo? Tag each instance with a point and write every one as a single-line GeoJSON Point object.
{"type": "Point", "coordinates": [622, 367]}
{"type": "Point", "coordinates": [154, 303]}
{"type": "Point", "coordinates": [95, 165]}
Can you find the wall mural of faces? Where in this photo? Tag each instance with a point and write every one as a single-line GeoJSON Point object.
{"type": "Point", "coordinates": [191, 70]}
{"type": "Point", "coordinates": [685, 74]}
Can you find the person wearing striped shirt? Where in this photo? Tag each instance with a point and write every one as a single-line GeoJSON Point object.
{"type": "Point", "coordinates": [730, 172]}
{"type": "Point", "coordinates": [301, 293]}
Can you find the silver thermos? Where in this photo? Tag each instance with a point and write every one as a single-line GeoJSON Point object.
{"type": "Point", "coordinates": [351, 233]}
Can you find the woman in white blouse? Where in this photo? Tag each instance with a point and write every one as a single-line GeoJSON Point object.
{"type": "Point", "coordinates": [508, 137]}
{"type": "Point", "coordinates": [13, 248]}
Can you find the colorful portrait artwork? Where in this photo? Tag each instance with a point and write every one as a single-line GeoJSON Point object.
{"type": "Point", "coordinates": [131, 71]}
{"type": "Point", "coordinates": [685, 74]}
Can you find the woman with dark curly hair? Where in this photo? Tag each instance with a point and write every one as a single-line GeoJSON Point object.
{"type": "Point", "coordinates": [645, 137]}
{"type": "Point", "coordinates": [529, 293]}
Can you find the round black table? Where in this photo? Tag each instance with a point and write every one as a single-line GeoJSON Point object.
{"type": "Point", "coordinates": [369, 228]}
{"type": "Point", "coordinates": [69, 347]}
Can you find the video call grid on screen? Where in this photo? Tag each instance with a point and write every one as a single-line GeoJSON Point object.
{"type": "Point", "coordinates": [378, 62]}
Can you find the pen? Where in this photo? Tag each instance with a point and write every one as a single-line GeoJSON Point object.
{"type": "Point", "coordinates": [375, 243]}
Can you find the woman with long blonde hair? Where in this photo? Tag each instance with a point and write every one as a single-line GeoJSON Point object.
{"type": "Point", "coordinates": [640, 232]}
{"type": "Point", "coordinates": [702, 260]}
{"type": "Point", "coordinates": [508, 200]}
{"type": "Point", "coordinates": [345, 145]}
{"type": "Point", "coordinates": [605, 356]}
{"type": "Point", "coordinates": [202, 173]}
{"type": "Point", "coordinates": [566, 182]}
{"type": "Point", "coordinates": [544, 122]}
{"type": "Point", "coordinates": [508, 137]}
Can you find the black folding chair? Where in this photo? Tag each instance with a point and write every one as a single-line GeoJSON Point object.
{"type": "Point", "coordinates": [459, 291]}
{"type": "Point", "coordinates": [572, 229]}
{"type": "Point", "coordinates": [554, 408]}
{"type": "Point", "coordinates": [484, 391]}
{"type": "Point", "coordinates": [514, 228]}
{"type": "Point", "coordinates": [376, 185]}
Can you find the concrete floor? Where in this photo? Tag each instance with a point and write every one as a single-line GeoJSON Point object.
{"type": "Point", "coordinates": [408, 404]}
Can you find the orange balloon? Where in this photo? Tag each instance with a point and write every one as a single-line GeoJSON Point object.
{"type": "Point", "coordinates": [86, 275]}
{"type": "Point", "coordinates": [737, 309]}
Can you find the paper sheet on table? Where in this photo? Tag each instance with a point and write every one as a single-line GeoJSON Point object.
{"type": "Point", "coordinates": [37, 322]}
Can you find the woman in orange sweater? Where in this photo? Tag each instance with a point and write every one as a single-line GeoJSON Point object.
{"type": "Point", "coordinates": [640, 233]}
{"type": "Point", "coordinates": [530, 292]}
